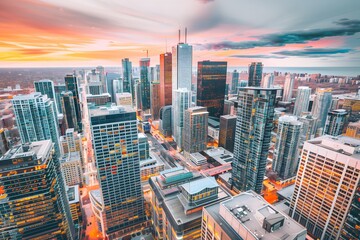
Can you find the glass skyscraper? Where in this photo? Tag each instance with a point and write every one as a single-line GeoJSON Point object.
{"type": "Point", "coordinates": [181, 66]}
{"type": "Point", "coordinates": [58, 90]}
{"type": "Point", "coordinates": [46, 87]}
{"type": "Point", "coordinates": [182, 102]}
{"type": "Point", "coordinates": [254, 124]}
{"type": "Point", "coordinates": [33, 201]}
{"type": "Point", "coordinates": [36, 118]}
{"type": "Point", "coordinates": [335, 122]}
{"type": "Point", "coordinates": [72, 85]}
{"type": "Point", "coordinates": [211, 82]}
{"type": "Point", "coordinates": [69, 111]}
{"type": "Point", "coordinates": [145, 83]}
{"type": "Point", "coordinates": [255, 74]}
{"type": "Point", "coordinates": [165, 79]}
{"type": "Point", "coordinates": [115, 141]}
{"type": "Point", "coordinates": [128, 83]}
{"type": "Point", "coordinates": [302, 100]}
{"type": "Point", "coordinates": [321, 105]}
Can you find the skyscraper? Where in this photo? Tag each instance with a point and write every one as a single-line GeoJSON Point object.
{"type": "Point", "coordinates": [165, 121]}
{"type": "Point", "coordinates": [255, 74]}
{"type": "Point", "coordinates": [69, 110]}
{"type": "Point", "coordinates": [33, 202]}
{"type": "Point", "coordinates": [234, 81]}
{"type": "Point", "coordinates": [70, 142]}
{"type": "Point", "coordinates": [211, 81]}
{"type": "Point", "coordinates": [227, 132]}
{"type": "Point", "coordinates": [127, 77]}
{"type": "Point", "coordinates": [254, 123]}
{"type": "Point", "coordinates": [321, 105]}
{"type": "Point", "coordinates": [327, 185]}
{"type": "Point", "coordinates": [335, 122]}
{"type": "Point", "coordinates": [286, 151]}
{"type": "Point", "coordinates": [309, 126]}
{"type": "Point", "coordinates": [155, 100]}
{"type": "Point", "coordinates": [288, 87]}
{"type": "Point", "coordinates": [101, 71]}
{"type": "Point", "coordinates": [36, 119]}
{"type": "Point", "coordinates": [302, 100]}
{"type": "Point", "coordinates": [268, 81]}
{"type": "Point", "coordinates": [145, 83]}
{"type": "Point", "coordinates": [182, 102]}
{"type": "Point", "coordinates": [115, 140]}
{"type": "Point", "coordinates": [46, 87]}
{"type": "Point", "coordinates": [181, 66]}
{"type": "Point", "coordinates": [110, 77]}
{"type": "Point", "coordinates": [58, 90]}
{"type": "Point", "coordinates": [165, 79]}
{"type": "Point", "coordinates": [72, 85]}
{"type": "Point", "coordinates": [195, 129]}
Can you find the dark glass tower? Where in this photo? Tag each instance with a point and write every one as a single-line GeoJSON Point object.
{"type": "Point", "coordinates": [73, 86]}
{"type": "Point", "coordinates": [227, 132]}
{"type": "Point", "coordinates": [68, 109]}
{"type": "Point", "coordinates": [211, 82]}
{"type": "Point", "coordinates": [58, 90]}
{"type": "Point", "coordinates": [115, 140]}
{"type": "Point", "coordinates": [33, 201]}
{"type": "Point", "coordinates": [165, 79]}
{"type": "Point", "coordinates": [145, 83]}
{"type": "Point", "coordinates": [255, 74]}
{"type": "Point", "coordinates": [254, 123]}
{"type": "Point", "coordinates": [128, 84]}
{"type": "Point", "coordinates": [234, 81]}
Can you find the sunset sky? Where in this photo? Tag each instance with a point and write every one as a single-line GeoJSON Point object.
{"type": "Point", "coordinates": [73, 33]}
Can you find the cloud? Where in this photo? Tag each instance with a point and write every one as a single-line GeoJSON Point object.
{"type": "Point", "coordinates": [314, 52]}
{"type": "Point", "coordinates": [257, 56]}
{"type": "Point", "coordinates": [345, 27]}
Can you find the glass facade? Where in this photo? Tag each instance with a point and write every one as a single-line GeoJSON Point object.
{"type": "Point", "coordinates": [128, 83]}
{"type": "Point", "coordinates": [145, 83]}
{"type": "Point", "coordinates": [165, 79]}
{"type": "Point", "coordinates": [211, 82]}
{"type": "Point", "coordinates": [46, 87]}
{"type": "Point", "coordinates": [227, 132]}
{"type": "Point", "coordinates": [336, 122]}
{"type": "Point", "coordinates": [181, 103]}
{"type": "Point", "coordinates": [181, 66]}
{"type": "Point", "coordinates": [321, 105]}
{"type": "Point", "coordinates": [254, 124]}
{"type": "Point", "coordinates": [195, 129]}
{"type": "Point", "coordinates": [69, 111]}
{"type": "Point", "coordinates": [73, 86]}
{"type": "Point", "coordinates": [255, 74]}
{"type": "Point", "coordinates": [58, 90]}
{"type": "Point", "coordinates": [302, 100]}
{"type": "Point", "coordinates": [234, 81]}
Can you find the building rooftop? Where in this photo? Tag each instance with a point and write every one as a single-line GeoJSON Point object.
{"type": "Point", "coordinates": [98, 95]}
{"type": "Point", "coordinates": [97, 195]}
{"type": "Point", "coordinates": [248, 213]}
{"type": "Point", "coordinates": [30, 95]}
{"type": "Point", "coordinates": [220, 154]}
{"type": "Point", "coordinates": [196, 186]}
{"type": "Point", "coordinates": [228, 116]}
{"type": "Point", "coordinates": [73, 193]}
{"type": "Point", "coordinates": [287, 192]}
{"type": "Point", "coordinates": [104, 110]}
{"type": "Point", "coordinates": [71, 156]}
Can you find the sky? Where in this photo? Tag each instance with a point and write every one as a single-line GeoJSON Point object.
{"type": "Point", "coordinates": [76, 33]}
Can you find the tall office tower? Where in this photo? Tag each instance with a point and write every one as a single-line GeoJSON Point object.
{"type": "Point", "coordinates": [211, 81]}
{"type": "Point", "coordinates": [234, 81]}
{"type": "Point", "coordinates": [69, 111]}
{"type": "Point", "coordinates": [227, 132]}
{"type": "Point", "coordinates": [165, 121]}
{"type": "Point", "coordinates": [326, 185]}
{"type": "Point", "coordinates": [286, 152]}
{"type": "Point", "coordinates": [255, 74]}
{"type": "Point", "coordinates": [117, 86]}
{"type": "Point", "coordinates": [58, 90]}
{"type": "Point", "coordinates": [71, 168]}
{"type": "Point", "coordinates": [32, 192]}
{"type": "Point", "coordinates": [335, 122]}
{"type": "Point", "coordinates": [101, 71]}
{"type": "Point", "coordinates": [181, 67]}
{"type": "Point", "coordinates": [302, 100]}
{"type": "Point", "coordinates": [353, 130]}
{"type": "Point", "coordinates": [321, 105]}
{"type": "Point", "coordinates": [155, 100]}
{"type": "Point", "coordinates": [145, 83]}
{"type": "Point", "coordinates": [110, 77]}
{"type": "Point", "coordinates": [288, 87]}
{"type": "Point", "coordinates": [254, 123]}
{"type": "Point", "coordinates": [165, 79]}
{"type": "Point", "coordinates": [195, 129]}
{"type": "Point", "coordinates": [248, 216]}
{"type": "Point", "coordinates": [72, 85]}
{"type": "Point", "coordinates": [124, 98]}
{"type": "Point", "coordinates": [115, 140]}
{"type": "Point", "coordinates": [127, 77]}
{"type": "Point", "coordinates": [144, 152]}
{"type": "Point", "coordinates": [268, 81]}
{"type": "Point", "coordinates": [182, 101]}
{"type": "Point", "coordinates": [309, 126]}
{"type": "Point", "coordinates": [138, 103]}
{"type": "Point", "coordinates": [70, 142]}
{"type": "Point", "coordinates": [36, 119]}
{"type": "Point", "coordinates": [46, 87]}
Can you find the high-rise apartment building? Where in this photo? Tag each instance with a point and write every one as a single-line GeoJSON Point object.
{"type": "Point", "coordinates": [71, 168]}
{"type": "Point", "coordinates": [255, 74]}
{"type": "Point", "coordinates": [58, 90]}
{"type": "Point", "coordinates": [288, 87]}
{"type": "Point", "coordinates": [127, 76]}
{"type": "Point", "coordinates": [46, 87]}
{"type": "Point", "coordinates": [254, 124]}
{"type": "Point", "coordinates": [145, 83]}
{"type": "Point", "coordinates": [268, 81]}
{"type": "Point", "coordinates": [286, 152]}
{"type": "Point", "coordinates": [70, 142]}
{"type": "Point", "coordinates": [124, 99]}
{"type": "Point", "coordinates": [101, 72]}
{"type": "Point", "coordinates": [69, 110]}
{"type": "Point", "coordinates": [335, 122]}
{"type": "Point", "coordinates": [155, 100]}
{"type": "Point", "coordinates": [181, 67]}
{"type": "Point", "coordinates": [227, 132]}
{"type": "Point", "coordinates": [33, 201]}
{"type": "Point", "coordinates": [327, 185]}
{"type": "Point", "coordinates": [321, 105]}
{"type": "Point", "coordinates": [248, 216]}
{"type": "Point", "coordinates": [211, 82]}
{"type": "Point", "coordinates": [165, 121]}
{"type": "Point", "coordinates": [302, 100]}
{"type": "Point", "coordinates": [182, 101]}
{"type": "Point", "coordinates": [165, 79]}
{"type": "Point", "coordinates": [234, 81]}
{"type": "Point", "coordinates": [115, 140]}
{"type": "Point", "coordinates": [36, 119]}
{"type": "Point", "coordinates": [195, 129]}
{"type": "Point", "coordinates": [72, 85]}
{"type": "Point", "coordinates": [309, 126]}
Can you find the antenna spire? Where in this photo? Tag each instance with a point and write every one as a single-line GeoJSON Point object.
{"type": "Point", "coordinates": [179, 36]}
{"type": "Point", "coordinates": [185, 35]}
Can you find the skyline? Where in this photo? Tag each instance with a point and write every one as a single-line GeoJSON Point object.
{"type": "Point", "coordinates": [84, 33]}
